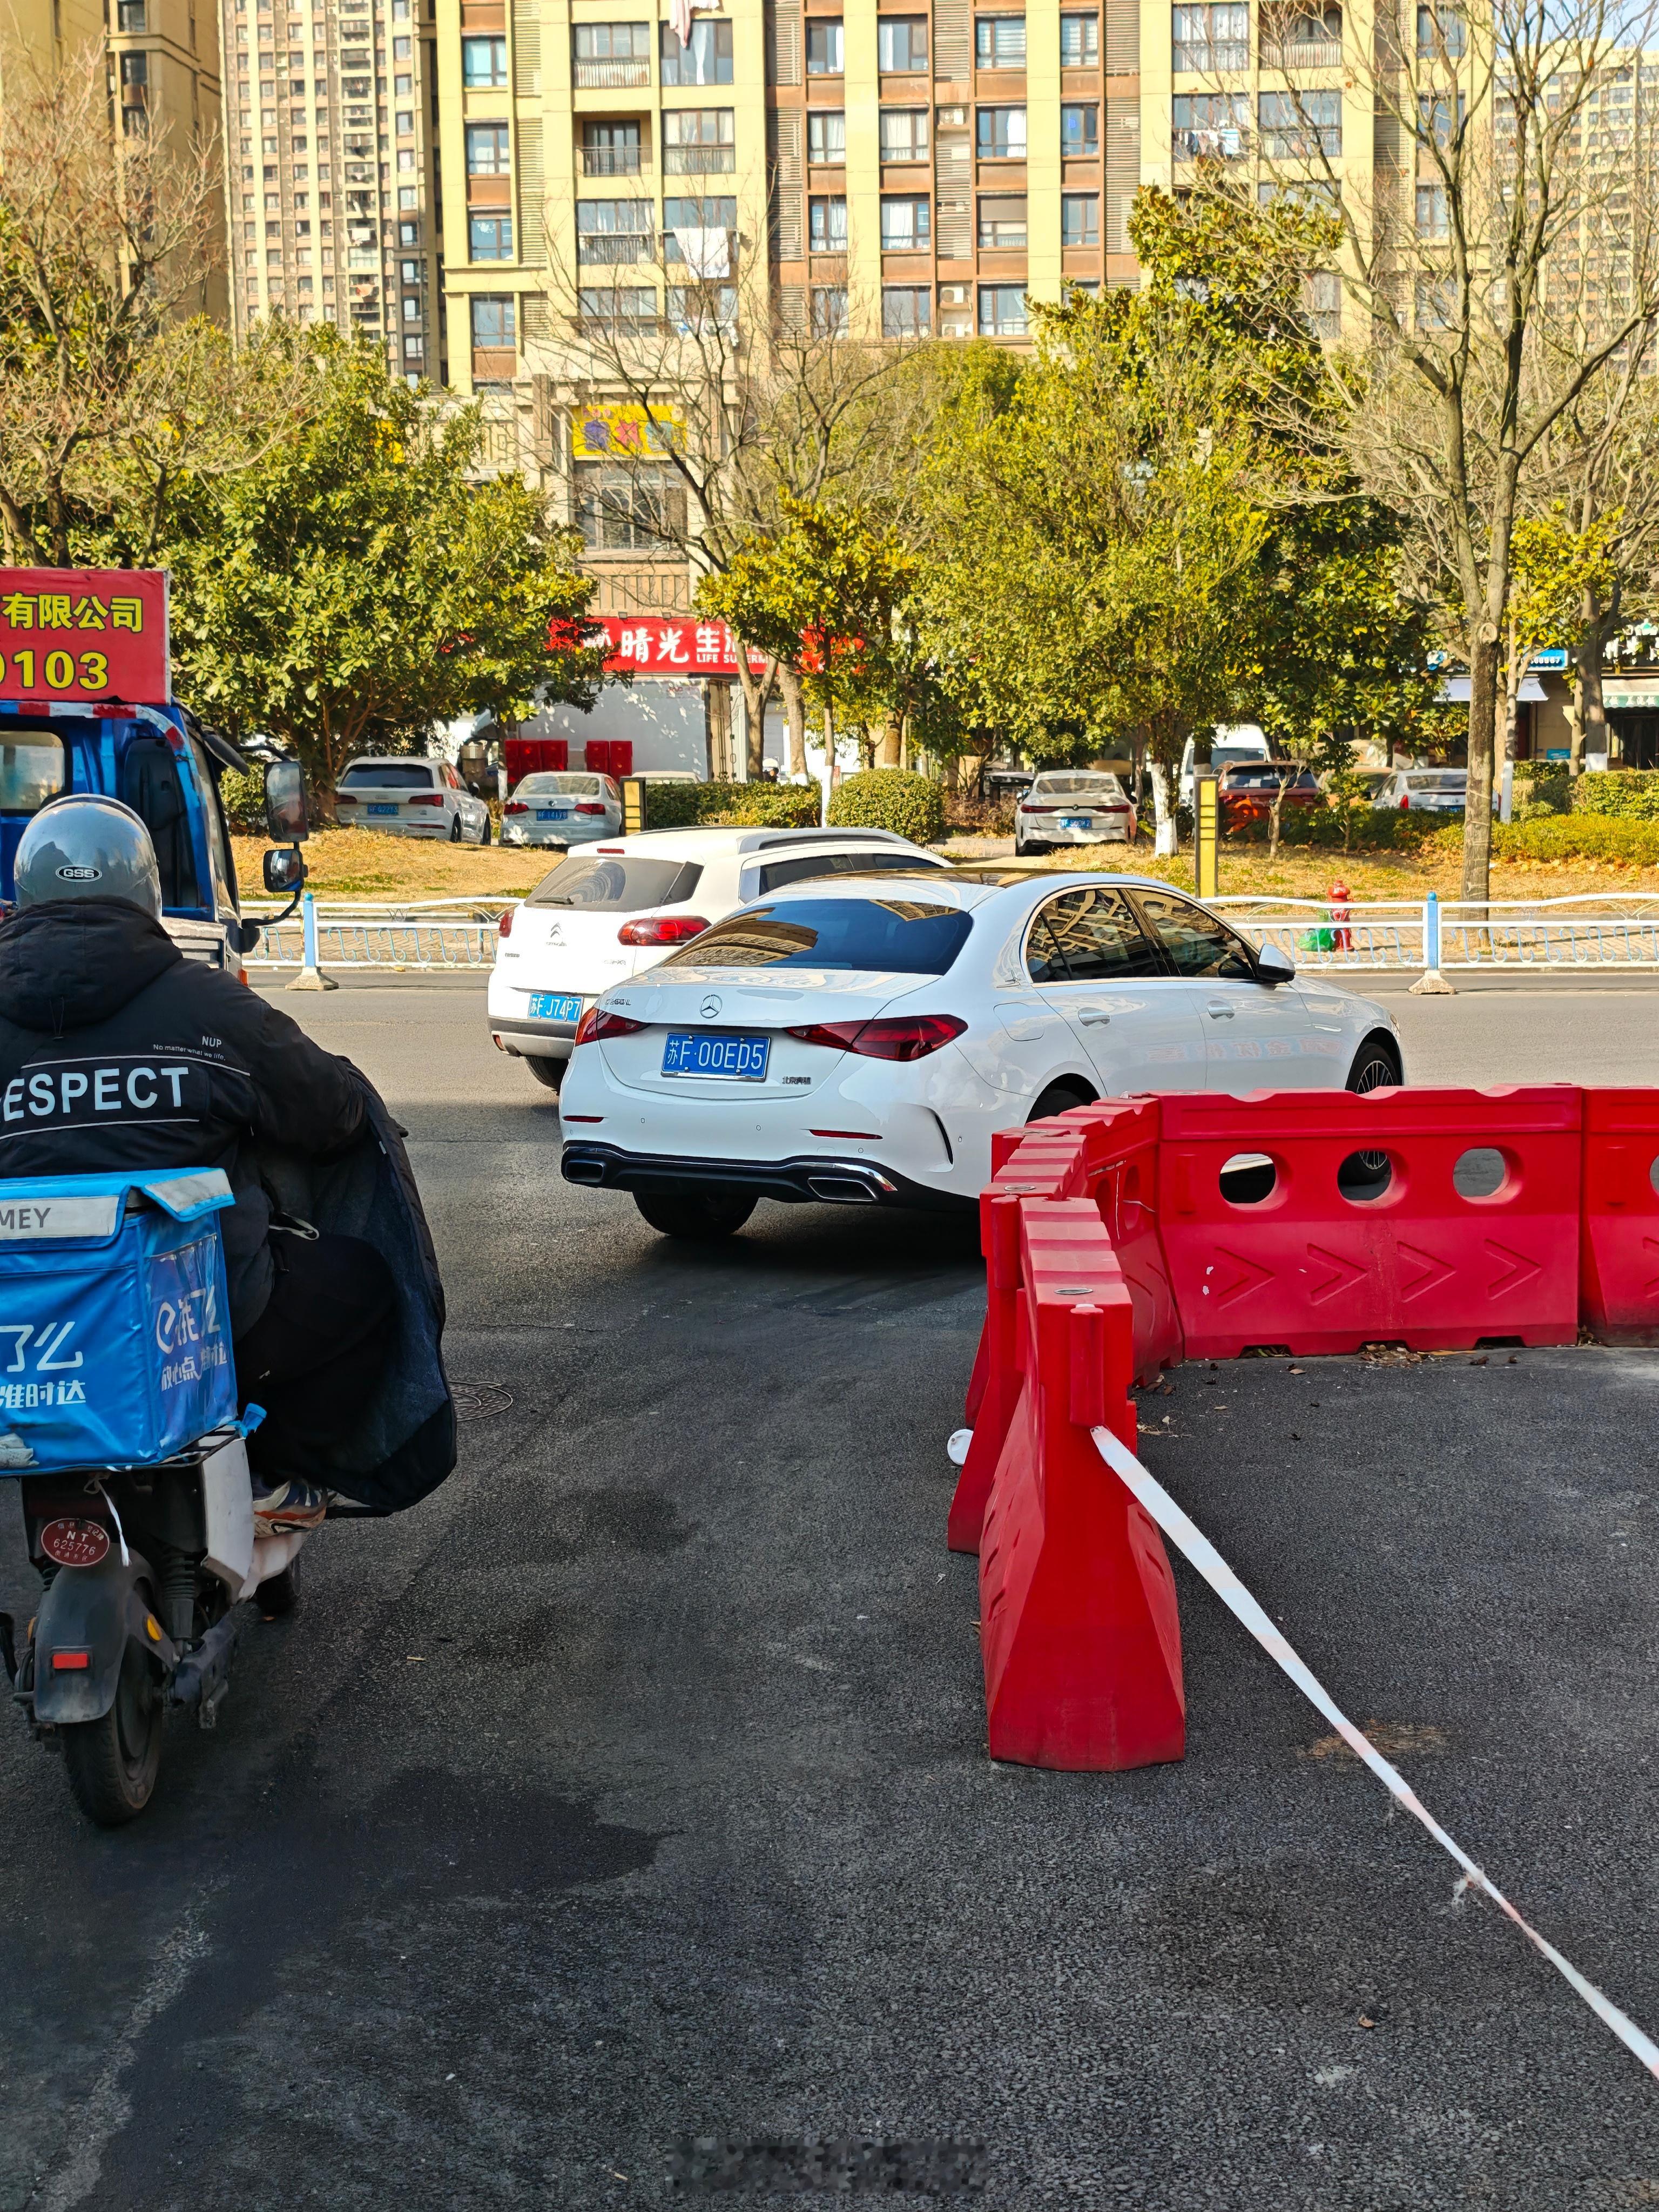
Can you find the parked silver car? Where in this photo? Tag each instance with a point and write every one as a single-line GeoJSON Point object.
{"type": "Point", "coordinates": [1426, 790]}
{"type": "Point", "coordinates": [561, 807]}
{"type": "Point", "coordinates": [411, 797]}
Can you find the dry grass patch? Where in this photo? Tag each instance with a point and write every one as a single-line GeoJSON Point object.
{"type": "Point", "coordinates": [366, 863]}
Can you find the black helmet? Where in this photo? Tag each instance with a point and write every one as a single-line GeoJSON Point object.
{"type": "Point", "coordinates": [85, 846]}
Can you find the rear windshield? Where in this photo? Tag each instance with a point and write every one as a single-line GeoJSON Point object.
{"type": "Point", "coordinates": [1266, 776]}
{"type": "Point", "coordinates": [387, 775]}
{"type": "Point", "coordinates": [804, 866]}
{"type": "Point", "coordinates": [1456, 781]}
{"type": "Point", "coordinates": [575, 787]}
{"type": "Point", "coordinates": [878, 936]}
{"type": "Point", "coordinates": [1098, 786]}
{"type": "Point", "coordinates": [623, 885]}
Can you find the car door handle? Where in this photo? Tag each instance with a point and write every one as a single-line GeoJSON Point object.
{"type": "Point", "coordinates": [1093, 1016]}
{"type": "Point", "coordinates": [1218, 1011]}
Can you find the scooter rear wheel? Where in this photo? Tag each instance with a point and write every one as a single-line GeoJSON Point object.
{"type": "Point", "coordinates": [112, 1762]}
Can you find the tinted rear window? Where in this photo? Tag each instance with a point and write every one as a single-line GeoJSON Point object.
{"type": "Point", "coordinates": [622, 883]}
{"type": "Point", "coordinates": [392, 776]}
{"type": "Point", "coordinates": [577, 786]}
{"type": "Point", "coordinates": [899, 936]}
{"type": "Point", "coordinates": [1099, 785]}
{"type": "Point", "coordinates": [805, 865]}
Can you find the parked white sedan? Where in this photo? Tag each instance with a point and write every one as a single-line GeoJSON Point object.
{"type": "Point", "coordinates": [857, 1042]}
{"type": "Point", "coordinates": [411, 797]}
{"type": "Point", "coordinates": [1073, 806]}
{"type": "Point", "coordinates": [615, 909]}
{"type": "Point", "coordinates": [561, 807]}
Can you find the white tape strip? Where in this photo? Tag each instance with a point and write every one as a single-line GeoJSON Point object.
{"type": "Point", "coordinates": [1225, 1584]}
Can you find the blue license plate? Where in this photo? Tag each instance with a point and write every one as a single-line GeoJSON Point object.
{"type": "Point", "coordinates": [554, 1006]}
{"type": "Point", "coordinates": [552, 814]}
{"type": "Point", "coordinates": [1075, 822]}
{"type": "Point", "coordinates": [689, 1052]}
{"type": "Point", "coordinates": [374, 808]}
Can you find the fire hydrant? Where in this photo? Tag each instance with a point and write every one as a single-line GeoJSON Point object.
{"type": "Point", "coordinates": [1341, 915]}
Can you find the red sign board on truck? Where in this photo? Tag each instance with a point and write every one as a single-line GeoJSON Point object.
{"type": "Point", "coordinates": [72, 635]}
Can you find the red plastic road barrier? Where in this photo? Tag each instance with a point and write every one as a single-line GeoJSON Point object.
{"type": "Point", "coordinates": [1080, 1633]}
{"type": "Point", "coordinates": [1328, 1260]}
{"type": "Point", "coordinates": [1618, 1255]}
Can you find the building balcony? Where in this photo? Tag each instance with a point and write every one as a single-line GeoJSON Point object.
{"type": "Point", "coordinates": [611, 76]}
{"type": "Point", "coordinates": [614, 161]}
{"type": "Point", "coordinates": [699, 161]}
{"type": "Point", "coordinates": [599, 248]}
{"type": "Point", "coordinates": [1290, 56]}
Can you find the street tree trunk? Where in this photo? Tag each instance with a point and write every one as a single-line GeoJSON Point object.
{"type": "Point", "coordinates": [1589, 720]}
{"type": "Point", "coordinates": [1483, 731]}
{"type": "Point", "coordinates": [794, 712]}
{"type": "Point", "coordinates": [1166, 839]}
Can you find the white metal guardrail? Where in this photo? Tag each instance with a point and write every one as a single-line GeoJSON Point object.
{"type": "Point", "coordinates": [1588, 930]}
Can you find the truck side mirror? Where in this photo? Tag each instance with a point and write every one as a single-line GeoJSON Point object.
{"type": "Point", "coordinates": [285, 869]}
{"type": "Point", "coordinates": [285, 808]}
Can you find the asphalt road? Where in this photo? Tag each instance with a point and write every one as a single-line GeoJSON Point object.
{"type": "Point", "coordinates": [633, 1788]}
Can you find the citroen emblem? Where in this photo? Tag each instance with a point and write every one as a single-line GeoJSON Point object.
{"type": "Point", "coordinates": [710, 1007]}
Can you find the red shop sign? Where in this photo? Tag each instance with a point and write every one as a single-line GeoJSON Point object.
{"type": "Point", "coordinates": [670, 644]}
{"type": "Point", "coordinates": [84, 634]}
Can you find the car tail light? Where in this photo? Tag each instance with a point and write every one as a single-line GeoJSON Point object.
{"type": "Point", "coordinates": [588, 806]}
{"type": "Point", "coordinates": [1026, 807]}
{"type": "Point", "coordinates": [661, 929]}
{"type": "Point", "coordinates": [593, 1026]}
{"type": "Point", "coordinates": [425, 799]}
{"type": "Point", "coordinates": [504, 926]}
{"type": "Point", "coordinates": [902, 1036]}
{"type": "Point", "coordinates": [345, 798]}
{"type": "Point", "coordinates": [1406, 801]}
{"type": "Point", "coordinates": [515, 806]}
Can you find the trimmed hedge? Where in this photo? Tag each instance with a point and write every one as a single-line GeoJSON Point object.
{"type": "Point", "coordinates": [1547, 836]}
{"type": "Point", "coordinates": [889, 798]}
{"type": "Point", "coordinates": [732, 805]}
{"type": "Point", "coordinates": [1632, 794]}
{"type": "Point", "coordinates": [1363, 829]}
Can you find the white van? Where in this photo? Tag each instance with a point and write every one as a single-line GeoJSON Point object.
{"type": "Point", "coordinates": [1234, 741]}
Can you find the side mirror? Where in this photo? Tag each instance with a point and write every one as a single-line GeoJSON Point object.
{"type": "Point", "coordinates": [285, 870]}
{"type": "Point", "coordinates": [285, 806]}
{"type": "Point", "coordinates": [1274, 966]}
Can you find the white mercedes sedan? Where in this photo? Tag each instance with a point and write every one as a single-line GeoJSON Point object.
{"type": "Point", "coordinates": [856, 1042]}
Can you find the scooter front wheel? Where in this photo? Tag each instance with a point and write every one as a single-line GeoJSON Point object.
{"type": "Point", "coordinates": [112, 1762]}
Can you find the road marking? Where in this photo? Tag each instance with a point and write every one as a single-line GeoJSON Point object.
{"type": "Point", "coordinates": [1202, 1554]}
{"type": "Point", "coordinates": [107, 2109]}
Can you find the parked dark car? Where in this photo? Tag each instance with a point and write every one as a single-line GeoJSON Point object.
{"type": "Point", "coordinates": [1245, 792]}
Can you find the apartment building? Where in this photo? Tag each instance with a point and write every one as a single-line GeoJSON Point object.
{"type": "Point", "coordinates": [164, 80]}
{"type": "Point", "coordinates": [331, 169]}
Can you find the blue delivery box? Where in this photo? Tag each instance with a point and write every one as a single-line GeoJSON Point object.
{"type": "Point", "coordinates": [114, 1322]}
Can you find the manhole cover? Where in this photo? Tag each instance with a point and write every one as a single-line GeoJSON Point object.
{"type": "Point", "coordinates": [479, 1401]}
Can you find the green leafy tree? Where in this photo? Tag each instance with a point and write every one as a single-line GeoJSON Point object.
{"type": "Point", "coordinates": [356, 585]}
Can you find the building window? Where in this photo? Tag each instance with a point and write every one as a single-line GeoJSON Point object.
{"type": "Point", "coordinates": [1437, 303]}
{"type": "Point", "coordinates": [1321, 301]}
{"type": "Point", "coordinates": [1002, 224]}
{"type": "Point", "coordinates": [1432, 219]}
{"type": "Point", "coordinates": [1211, 125]}
{"type": "Point", "coordinates": [413, 349]}
{"type": "Point", "coordinates": [1209, 39]}
{"type": "Point", "coordinates": [828, 311]}
{"type": "Point", "coordinates": [483, 63]}
{"type": "Point", "coordinates": [487, 152]}
{"type": "Point", "coordinates": [610, 149]}
{"type": "Point", "coordinates": [696, 309]}
{"type": "Point", "coordinates": [906, 311]}
{"type": "Point", "coordinates": [405, 157]}
{"type": "Point", "coordinates": [493, 322]}
{"type": "Point", "coordinates": [1437, 110]}
{"type": "Point", "coordinates": [409, 233]}
{"type": "Point", "coordinates": [131, 17]}
{"type": "Point", "coordinates": [1002, 134]}
{"type": "Point", "coordinates": [905, 226]}
{"type": "Point", "coordinates": [827, 223]}
{"type": "Point", "coordinates": [999, 41]}
{"type": "Point", "coordinates": [824, 46]}
{"type": "Point", "coordinates": [1311, 41]}
{"type": "Point", "coordinates": [706, 60]}
{"type": "Point", "coordinates": [613, 230]}
{"type": "Point", "coordinates": [411, 311]}
{"type": "Point", "coordinates": [902, 44]}
{"type": "Point", "coordinates": [904, 134]}
{"type": "Point", "coordinates": [1080, 219]}
{"type": "Point", "coordinates": [490, 237]}
{"type": "Point", "coordinates": [1079, 130]}
{"type": "Point", "coordinates": [826, 136]}
{"type": "Point", "coordinates": [698, 142]}
{"type": "Point", "coordinates": [411, 272]}
{"type": "Point", "coordinates": [699, 218]}
{"type": "Point", "coordinates": [611, 56]}
{"type": "Point", "coordinates": [1439, 31]}
{"type": "Point", "coordinates": [1079, 42]}
{"type": "Point", "coordinates": [1002, 311]}
{"type": "Point", "coordinates": [1297, 125]}
{"type": "Point", "coordinates": [617, 304]}
{"type": "Point", "coordinates": [640, 510]}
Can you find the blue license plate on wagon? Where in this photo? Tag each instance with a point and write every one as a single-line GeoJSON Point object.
{"type": "Point", "coordinates": [374, 808]}
{"type": "Point", "coordinates": [552, 814]}
{"type": "Point", "coordinates": [687, 1052]}
{"type": "Point", "coordinates": [554, 1006]}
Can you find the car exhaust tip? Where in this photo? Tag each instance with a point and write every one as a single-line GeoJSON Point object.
{"type": "Point", "coordinates": [588, 1172]}
{"type": "Point", "coordinates": [841, 1190]}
